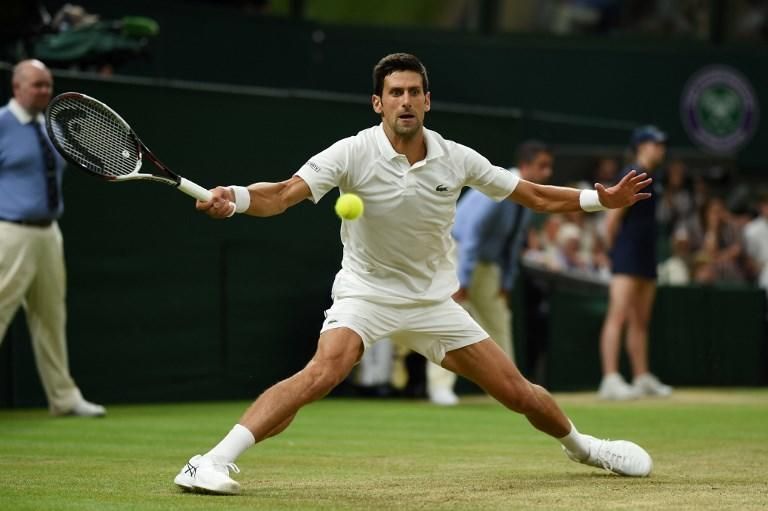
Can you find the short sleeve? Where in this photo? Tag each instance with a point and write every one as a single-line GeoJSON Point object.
{"type": "Point", "coordinates": [495, 182]}
{"type": "Point", "coordinates": [327, 170]}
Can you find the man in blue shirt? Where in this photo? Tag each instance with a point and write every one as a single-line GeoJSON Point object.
{"type": "Point", "coordinates": [489, 238]}
{"type": "Point", "coordinates": [31, 251]}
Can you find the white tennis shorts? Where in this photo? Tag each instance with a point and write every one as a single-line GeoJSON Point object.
{"type": "Point", "coordinates": [431, 330]}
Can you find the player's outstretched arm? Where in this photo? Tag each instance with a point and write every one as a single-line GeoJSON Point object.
{"type": "Point", "coordinates": [260, 199]}
{"type": "Point", "coordinates": [558, 199]}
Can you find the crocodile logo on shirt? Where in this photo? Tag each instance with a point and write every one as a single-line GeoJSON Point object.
{"type": "Point", "coordinates": [441, 188]}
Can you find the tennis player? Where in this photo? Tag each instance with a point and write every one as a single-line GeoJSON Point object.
{"type": "Point", "coordinates": [397, 278]}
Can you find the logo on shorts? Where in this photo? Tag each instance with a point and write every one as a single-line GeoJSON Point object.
{"type": "Point", "coordinates": [719, 109]}
{"type": "Point", "coordinates": [441, 188]}
{"type": "Point", "coordinates": [333, 321]}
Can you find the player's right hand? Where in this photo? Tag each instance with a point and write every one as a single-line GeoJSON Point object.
{"type": "Point", "coordinates": [220, 206]}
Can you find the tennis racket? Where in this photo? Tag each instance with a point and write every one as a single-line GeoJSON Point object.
{"type": "Point", "coordinates": [94, 138]}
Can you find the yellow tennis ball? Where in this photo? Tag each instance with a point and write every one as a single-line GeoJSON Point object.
{"type": "Point", "coordinates": [349, 206]}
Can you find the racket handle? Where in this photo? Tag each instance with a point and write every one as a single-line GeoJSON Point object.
{"type": "Point", "coordinates": [194, 190]}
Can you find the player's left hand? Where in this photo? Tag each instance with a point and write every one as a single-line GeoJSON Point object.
{"type": "Point", "coordinates": [626, 192]}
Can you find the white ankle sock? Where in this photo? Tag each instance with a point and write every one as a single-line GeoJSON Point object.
{"type": "Point", "coordinates": [576, 443]}
{"type": "Point", "coordinates": [234, 444]}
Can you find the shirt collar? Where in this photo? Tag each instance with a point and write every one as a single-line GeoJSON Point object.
{"type": "Point", "coordinates": [385, 146]}
{"type": "Point", "coordinates": [434, 150]}
{"type": "Point", "coordinates": [22, 115]}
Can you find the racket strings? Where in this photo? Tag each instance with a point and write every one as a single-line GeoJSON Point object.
{"type": "Point", "coordinates": [94, 137]}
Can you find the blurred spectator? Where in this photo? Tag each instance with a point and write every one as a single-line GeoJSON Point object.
{"type": "Point", "coordinates": [82, 40]}
{"type": "Point", "coordinates": [701, 192]}
{"type": "Point", "coordinates": [489, 238]}
{"type": "Point", "coordinates": [676, 203]}
{"type": "Point", "coordinates": [581, 247]}
{"type": "Point", "coordinates": [716, 242]}
{"type": "Point", "coordinates": [752, 22]}
{"type": "Point", "coordinates": [631, 233]}
{"type": "Point", "coordinates": [676, 270]}
{"type": "Point", "coordinates": [569, 243]}
{"type": "Point", "coordinates": [71, 16]}
{"type": "Point", "coordinates": [542, 246]}
{"type": "Point", "coordinates": [756, 241]}
{"type": "Point", "coordinates": [682, 17]}
{"type": "Point", "coordinates": [584, 16]}
{"type": "Point", "coordinates": [605, 171]}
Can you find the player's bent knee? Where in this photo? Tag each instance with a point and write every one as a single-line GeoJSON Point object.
{"type": "Point", "coordinates": [321, 378]}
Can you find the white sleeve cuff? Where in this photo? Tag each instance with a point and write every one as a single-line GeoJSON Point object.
{"type": "Point", "coordinates": [242, 198]}
{"type": "Point", "coordinates": [590, 201]}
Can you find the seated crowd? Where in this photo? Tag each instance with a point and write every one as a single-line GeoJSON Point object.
{"type": "Point", "coordinates": [709, 233]}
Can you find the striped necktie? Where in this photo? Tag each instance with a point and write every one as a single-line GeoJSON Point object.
{"type": "Point", "coordinates": [50, 168]}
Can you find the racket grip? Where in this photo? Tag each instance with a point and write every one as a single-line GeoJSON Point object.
{"type": "Point", "coordinates": [194, 190]}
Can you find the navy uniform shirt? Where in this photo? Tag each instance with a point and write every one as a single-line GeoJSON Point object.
{"type": "Point", "coordinates": [634, 249]}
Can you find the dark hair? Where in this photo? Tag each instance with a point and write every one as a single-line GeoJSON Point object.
{"type": "Point", "coordinates": [397, 62]}
{"type": "Point", "coordinates": [529, 150]}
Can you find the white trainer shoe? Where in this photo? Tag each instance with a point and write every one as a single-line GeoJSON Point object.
{"type": "Point", "coordinates": [617, 456]}
{"type": "Point", "coordinates": [613, 387]}
{"type": "Point", "coordinates": [649, 385]}
{"type": "Point", "coordinates": [87, 409]}
{"type": "Point", "coordinates": [83, 408]}
{"type": "Point", "coordinates": [443, 397]}
{"type": "Point", "coordinates": [208, 474]}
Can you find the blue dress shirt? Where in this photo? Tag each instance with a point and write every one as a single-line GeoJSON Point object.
{"type": "Point", "coordinates": [23, 186]}
{"type": "Point", "coordinates": [490, 232]}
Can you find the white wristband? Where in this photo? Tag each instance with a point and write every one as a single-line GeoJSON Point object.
{"type": "Point", "coordinates": [590, 201]}
{"type": "Point", "coordinates": [242, 198]}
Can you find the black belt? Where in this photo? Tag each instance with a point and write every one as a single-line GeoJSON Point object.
{"type": "Point", "coordinates": [30, 223]}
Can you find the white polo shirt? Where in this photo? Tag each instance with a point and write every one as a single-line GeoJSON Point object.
{"type": "Point", "coordinates": [398, 252]}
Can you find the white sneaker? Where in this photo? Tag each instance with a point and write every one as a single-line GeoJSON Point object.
{"type": "Point", "coordinates": [443, 397]}
{"type": "Point", "coordinates": [648, 385]}
{"type": "Point", "coordinates": [617, 456]}
{"type": "Point", "coordinates": [208, 474]}
{"type": "Point", "coordinates": [84, 408]}
{"type": "Point", "coordinates": [613, 387]}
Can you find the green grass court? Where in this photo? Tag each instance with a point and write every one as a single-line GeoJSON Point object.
{"type": "Point", "coordinates": [710, 449]}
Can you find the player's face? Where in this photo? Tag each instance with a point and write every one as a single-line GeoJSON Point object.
{"type": "Point", "coordinates": [33, 89]}
{"type": "Point", "coordinates": [403, 103]}
{"type": "Point", "coordinates": [539, 170]}
{"type": "Point", "coordinates": [653, 153]}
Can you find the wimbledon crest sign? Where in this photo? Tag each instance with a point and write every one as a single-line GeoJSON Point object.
{"type": "Point", "coordinates": [719, 109]}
